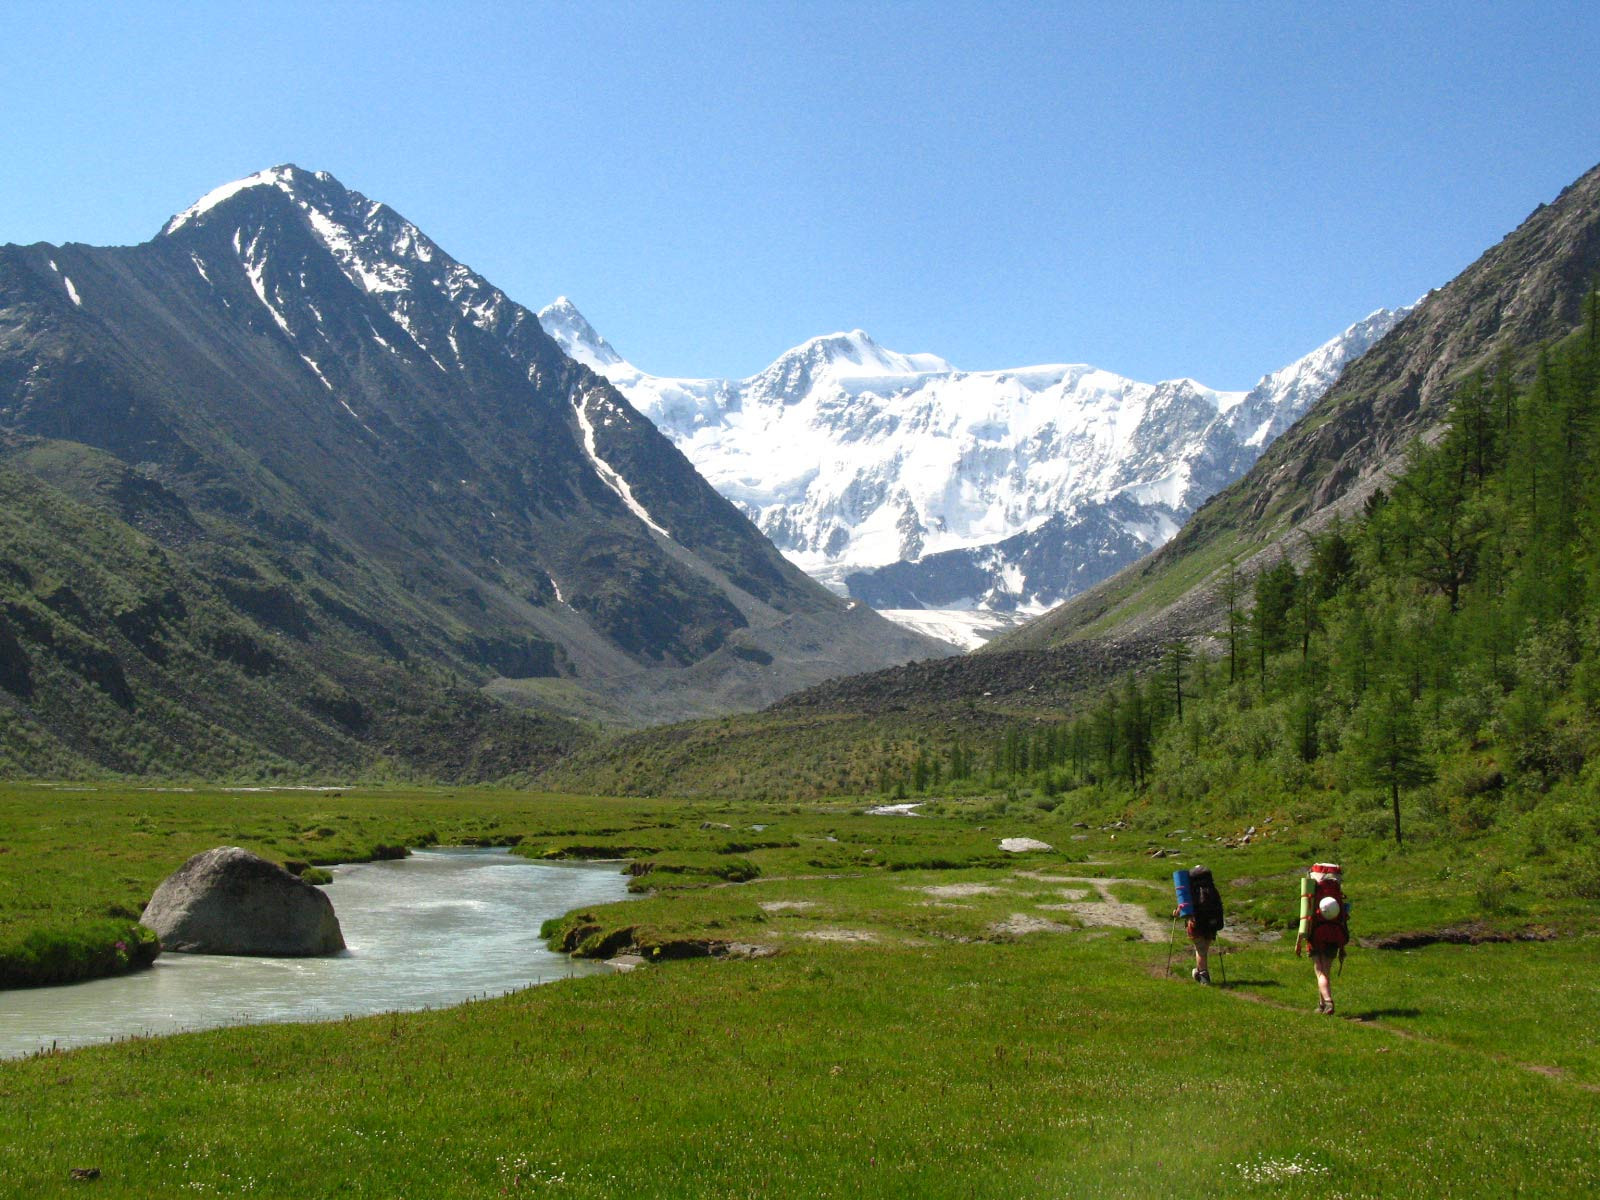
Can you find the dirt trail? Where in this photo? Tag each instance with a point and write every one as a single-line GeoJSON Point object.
{"type": "Point", "coordinates": [1108, 910]}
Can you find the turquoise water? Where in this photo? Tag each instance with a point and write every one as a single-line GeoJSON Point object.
{"type": "Point", "coordinates": [428, 931]}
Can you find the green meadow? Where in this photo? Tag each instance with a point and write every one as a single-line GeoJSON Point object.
{"type": "Point", "coordinates": [836, 1003]}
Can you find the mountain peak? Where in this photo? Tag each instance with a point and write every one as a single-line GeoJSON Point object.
{"type": "Point", "coordinates": [857, 355]}
{"type": "Point", "coordinates": [473, 491]}
{"type": "Point", "coordinates": [376, 249]}
{"type": "Point", "coordinates": [572, 331]}
{"type": "Point", "coordinates": [286, 177]}
{"type": "Point", "coordinates": [923, 486]}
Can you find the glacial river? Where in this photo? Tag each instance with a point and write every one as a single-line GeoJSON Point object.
{"type": "Point", "coordinates": [431, 930]}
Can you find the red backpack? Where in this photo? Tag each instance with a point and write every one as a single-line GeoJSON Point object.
{"type": "Point", "coordinates": [1328, 935]}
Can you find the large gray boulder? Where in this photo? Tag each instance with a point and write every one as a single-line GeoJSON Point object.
{"type": "Point", "coordinates": [229, 901]}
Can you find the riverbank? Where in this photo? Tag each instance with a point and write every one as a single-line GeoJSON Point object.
{"type": "Point", "coordinates": [78, 863]}
{"type": "Point", "coordinates": [428, 931]}
{"type": "Point", "coordinates": [43, 956]}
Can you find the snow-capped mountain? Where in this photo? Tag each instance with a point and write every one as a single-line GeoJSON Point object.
{"type": "Point", "coordinates": [911, 484]}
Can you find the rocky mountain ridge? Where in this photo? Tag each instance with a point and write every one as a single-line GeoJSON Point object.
{"type": "Point", "coordinates": [318, 401]}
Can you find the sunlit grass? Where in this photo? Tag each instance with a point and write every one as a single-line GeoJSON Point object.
{"type": "Point", "coordinates": [993, 1069]}
{"type": "Point", "coordinates": [907, 1038]}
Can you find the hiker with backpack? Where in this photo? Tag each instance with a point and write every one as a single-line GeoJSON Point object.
{"type": "Point", "coordinates": [1324, 926]}
{"type": "Point", "coordinates": [1202, 904]}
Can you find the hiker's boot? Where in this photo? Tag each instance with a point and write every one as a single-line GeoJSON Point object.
{"type": "Point", "coordinates": [1205, 978]}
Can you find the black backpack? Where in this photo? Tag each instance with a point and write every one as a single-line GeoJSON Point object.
{"type": "Point", "coordinates": [1208, 919]}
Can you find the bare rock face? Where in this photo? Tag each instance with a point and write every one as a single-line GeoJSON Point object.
{"type": "Point", "coordinates": [229, 901]}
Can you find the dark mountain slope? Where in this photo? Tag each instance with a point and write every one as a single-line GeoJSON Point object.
{"type": "Point", "coordinates": [315, 380]}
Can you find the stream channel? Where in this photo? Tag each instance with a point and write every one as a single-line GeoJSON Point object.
{"type": "Point", "coordinates": [435, 929]}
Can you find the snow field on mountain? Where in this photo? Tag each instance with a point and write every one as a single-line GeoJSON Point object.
{"type": "Point", "coordinates": [853, 457]}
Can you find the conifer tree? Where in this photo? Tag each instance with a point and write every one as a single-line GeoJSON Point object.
{"type": "Point", "coordinates": [1473, 425]}
{"type": "Point", "coordinates": [1269, 620]}
{"type": "Point", "coordinates": [1135, 736]}
{"type": "Point", "coordinates": [1441, 524]}
{"type": "Point", "coordinates": [1332, 562]}
{"type": "Point", "coordinates": [1108, 731]}
{"type": "Point", "coordinates": [1177, 662]}
{"type": "Point", "coordinates": [1232, 593]}
{"type": "Point", "coordinates": [1389, 747]}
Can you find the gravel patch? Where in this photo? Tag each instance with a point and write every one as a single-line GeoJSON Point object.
{"type": "Point", "coordinates": [1018, 924]}
{"type": "Point", "coordinates": [948, 891]}
{"type": "Point", "coordinates": [840, 935]}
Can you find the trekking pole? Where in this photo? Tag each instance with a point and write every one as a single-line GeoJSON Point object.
{"type": "Point", "coordinates": [1222, 958]}
{"type": "Point", "coordinates": [1171, 934]}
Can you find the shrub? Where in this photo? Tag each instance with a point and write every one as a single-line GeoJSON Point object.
{"type": "Point", "coordinates": [1580, 873]}
{"type": "Point", "coordinates": [1492, 890]}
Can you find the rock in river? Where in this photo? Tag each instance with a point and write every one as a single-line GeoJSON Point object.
{"type": "Point", "coordinates": [229, 901]}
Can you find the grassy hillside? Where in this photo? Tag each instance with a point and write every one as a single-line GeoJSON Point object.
{"type": "Point", "coordinates": [839, 738]}
{"type": "Point", "coordinates": [206, 654]}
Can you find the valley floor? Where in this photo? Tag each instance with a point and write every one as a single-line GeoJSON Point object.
{"type": "Point", "coordinates": [904, 1010]}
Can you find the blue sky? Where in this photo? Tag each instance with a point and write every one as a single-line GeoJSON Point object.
{"type": "Point", "coordinates": [1158, 189]}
